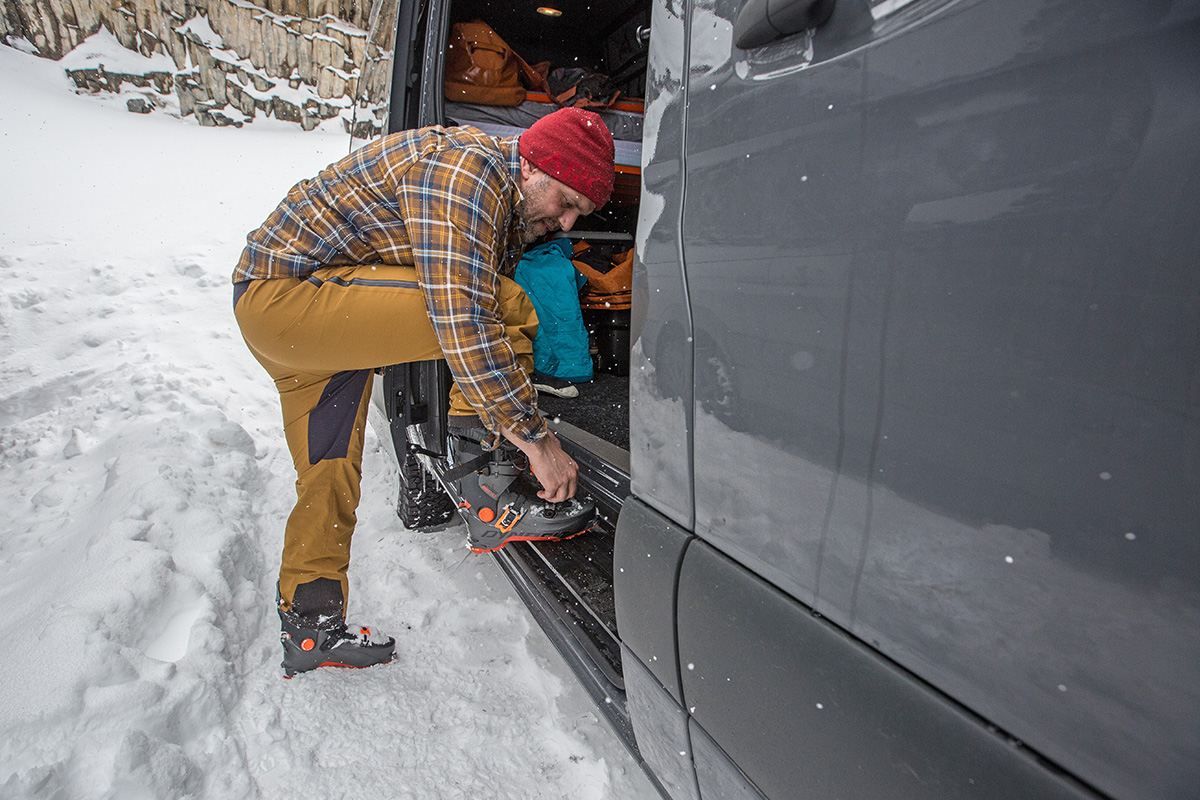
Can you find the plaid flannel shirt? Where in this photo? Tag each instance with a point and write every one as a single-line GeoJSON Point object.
{"type": "Point", "coordinates": [443, 200]}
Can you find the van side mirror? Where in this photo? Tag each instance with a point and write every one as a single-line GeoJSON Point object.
{"type": "Point", "coordinates": [763, 21]}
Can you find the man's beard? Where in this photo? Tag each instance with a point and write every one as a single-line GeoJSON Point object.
{"type": "Point", "coordinates": [532, 196]}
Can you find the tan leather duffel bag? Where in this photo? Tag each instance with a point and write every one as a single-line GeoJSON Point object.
{"type": "Point", "coordinates": [481, 68]}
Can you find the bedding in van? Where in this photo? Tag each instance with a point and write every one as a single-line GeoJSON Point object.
{"type": "Point", "coordinates": [623, 125]}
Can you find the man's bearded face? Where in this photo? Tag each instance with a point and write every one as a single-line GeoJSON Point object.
{"type": "Point", "coordinates": [548, 205]}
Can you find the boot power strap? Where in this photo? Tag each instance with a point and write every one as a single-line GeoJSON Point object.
{"type": "Point", "coordinates": [467, 467]}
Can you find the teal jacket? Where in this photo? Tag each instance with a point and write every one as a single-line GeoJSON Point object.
{"type": "Point", "coordinates": [552, 283]}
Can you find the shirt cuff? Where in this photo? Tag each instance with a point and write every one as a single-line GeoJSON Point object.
{"type": "Point", "coordinates": [530, 429]}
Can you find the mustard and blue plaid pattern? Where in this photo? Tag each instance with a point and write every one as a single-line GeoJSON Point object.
{"type": "Point", "coordinates": [443, 200]}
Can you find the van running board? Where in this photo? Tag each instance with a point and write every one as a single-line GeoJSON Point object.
{"type": "Point", "coordinates": [568, 585]}
{"type": "Point", "coordinates": [576, 576]}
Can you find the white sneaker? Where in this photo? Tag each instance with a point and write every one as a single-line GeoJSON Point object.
{"type": "Point", "coordinates": [555, 386]}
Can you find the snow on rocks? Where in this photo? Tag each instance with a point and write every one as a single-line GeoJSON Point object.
{"type": "Point", "coordinates": [144, 485]}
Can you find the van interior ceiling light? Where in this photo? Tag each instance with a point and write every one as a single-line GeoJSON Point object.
{"type": "Point", "coordinates": [549, 12]}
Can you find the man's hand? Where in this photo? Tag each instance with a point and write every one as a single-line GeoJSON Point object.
{"type": "Point", "coordinates": [553, 468]}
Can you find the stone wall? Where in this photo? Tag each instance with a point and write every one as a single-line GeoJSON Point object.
{"type": "Point", "coordinates": [296, 60]}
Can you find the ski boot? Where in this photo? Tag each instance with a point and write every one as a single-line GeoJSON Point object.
{"type": "Point", "coordinates": [497, 495]}
{"type": "Point", "coordinates": [323, 640]}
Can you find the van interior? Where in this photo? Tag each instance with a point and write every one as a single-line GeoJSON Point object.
{"type": "Point", "coordinates": [568, 585]}
{"type": "Point", "coordinates": [608, 41]}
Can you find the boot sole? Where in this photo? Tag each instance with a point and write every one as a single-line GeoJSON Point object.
{"type": "Point", "coordinates": [549, 538]}
{"type": "Point", "coordinates": [288, 674]}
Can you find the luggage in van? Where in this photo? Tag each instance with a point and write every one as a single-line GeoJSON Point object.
{"type": "Point", "coordinates": [581, 88]}
{"type": "Point", "coordinates": [609, 275]}
{"type": "Point", "coordinates": [481, 68]}
{"type": "Point", "coordinates": [605, 301]}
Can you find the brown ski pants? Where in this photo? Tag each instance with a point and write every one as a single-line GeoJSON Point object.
{"type": "Point", "coordinates": [321, 338]}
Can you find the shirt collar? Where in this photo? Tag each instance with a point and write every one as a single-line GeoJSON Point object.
{"type": "Point", "coordinates": [516, 229]}
{"type": "Point", "coordinates": [513, 156]}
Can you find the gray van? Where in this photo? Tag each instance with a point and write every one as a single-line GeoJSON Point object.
{"type": "Point", "coordinates": [904, 499]}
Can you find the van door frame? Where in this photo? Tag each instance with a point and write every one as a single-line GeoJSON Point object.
{"type": "Point", "coordinates": [417, 64]}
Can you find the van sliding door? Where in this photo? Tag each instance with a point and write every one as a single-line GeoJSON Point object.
{"type": "Point", "coordinates": [940, 260]}
{"type": "Point", "coordinates": [771, 227]}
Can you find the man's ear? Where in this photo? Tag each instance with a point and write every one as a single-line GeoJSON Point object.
{"type": "Point", "coordinates": [528, 171]}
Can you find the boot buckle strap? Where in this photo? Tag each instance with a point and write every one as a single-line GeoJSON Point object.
{"type": "Point", "coordinates": [467, 467]}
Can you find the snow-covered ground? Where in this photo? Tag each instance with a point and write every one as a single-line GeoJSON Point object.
{"type": "Point", "coordinates": [144, 485]}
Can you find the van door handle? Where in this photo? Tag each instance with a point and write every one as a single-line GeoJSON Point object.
{"type": "Point", "coordinates": [763, 21]}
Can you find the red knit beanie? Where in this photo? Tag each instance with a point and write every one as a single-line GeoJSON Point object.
{"type": "Point", "coordinates": [573, 146]}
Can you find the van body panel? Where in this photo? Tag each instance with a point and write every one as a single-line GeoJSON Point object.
{"type": "Point", "coordinates": [660, 363]}
{"type": "Point", "coordinates": [1032, 542]}
{"type": "Point", "coordinates": [947, 319]}
{"type": "Point", "coordinates": [661, 728]}
{"type": "Point", "coordinates": [771, 232]}
{"type": "Point", "coordinates": [807, 711]}
{"type": "Point", "coordinates": [647, 552]}
{"type": "Point", "coordinates": [716, 774]}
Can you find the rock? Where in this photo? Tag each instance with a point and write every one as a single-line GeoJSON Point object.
{"type": "Point", "coordinates": [285, 111]}
{"type": "Point", "coordinates": [332, 83]}
{"type": "Point", "coordinates": [101, 80]}
{"type": "Point", "coordinates": [177, 46]}
{"type": "Point", "coordinates": [148, 43]}
{"type": "Point", "coordinates": [92, 80]}
{"type": "Point", "coordinates": [138, 105]}
{"type": "Point", "coordinates": [222, 120]}
{"type": "Point", "coordinates": [361, 129]}
{"type": "Point", "coordinates": [358, 47]}
{"type": "Point", "coordinates": [204, 116]}
{"type": "Point", "coordinates": [316, 46]}
{"type": "Point", "coordinates": [163, 81]}
{"type": "Point", "coordinates": [125, 28]}
{"type": "Point", "coordinates": [187, 105]}
{"type": "Point", "coordinates": [239, 98]}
